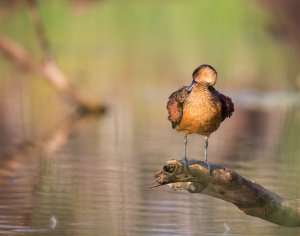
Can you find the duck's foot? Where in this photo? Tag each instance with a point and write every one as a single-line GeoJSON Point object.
{"type": "Point", "coordinates": [186, 168]}
{"type": "Point", "coordinates": [208, 166]}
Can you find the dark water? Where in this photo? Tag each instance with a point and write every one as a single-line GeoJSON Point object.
{"type": "Point", "coordinates": [88, 176]}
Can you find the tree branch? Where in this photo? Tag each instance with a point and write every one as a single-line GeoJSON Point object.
{"type": "Point", "coordinates": [47, 69]}
{"type": "Point", "coordinates": [39, 29]}
{"type": "Point", "coordinates": [250, 197]}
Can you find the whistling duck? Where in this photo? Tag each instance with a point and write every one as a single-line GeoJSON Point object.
{"type": "Point", "coordinates": [199, 108]}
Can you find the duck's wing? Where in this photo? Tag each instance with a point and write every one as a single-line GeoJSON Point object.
{"type": "Point", "coordinates": [227, 104]}
{"type": "Point", "coordinates": [175, 105]}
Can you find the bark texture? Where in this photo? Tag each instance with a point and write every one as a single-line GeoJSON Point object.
{"type": "Point", "coordinates": [250, 197]}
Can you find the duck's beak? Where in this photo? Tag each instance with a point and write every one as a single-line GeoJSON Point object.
{"type": "Point", "coordinates": [189, 89]}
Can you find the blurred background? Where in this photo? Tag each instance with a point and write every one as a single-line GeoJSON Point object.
{"type": "Point", "coordinates": [63, 174]}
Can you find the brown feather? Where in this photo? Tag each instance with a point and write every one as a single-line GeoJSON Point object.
{"type": "Point", "coordinates": [227, 104]}
{"type": "Point", "coordinates": [175, 105]}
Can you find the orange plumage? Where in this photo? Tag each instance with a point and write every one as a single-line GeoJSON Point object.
{"type": "Point", "coordinates": [199, 108]}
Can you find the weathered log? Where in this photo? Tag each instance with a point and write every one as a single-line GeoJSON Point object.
{"type": "Point", "coordinates": [250, 197]}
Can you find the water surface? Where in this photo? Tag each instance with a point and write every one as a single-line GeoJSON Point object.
{"type": "Point", "coordinates": [88, 176]}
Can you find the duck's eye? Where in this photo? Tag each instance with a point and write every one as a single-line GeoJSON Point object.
{"type": "Point", "coordinates": [195, 75]}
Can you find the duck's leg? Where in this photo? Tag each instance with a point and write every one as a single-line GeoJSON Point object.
{"type": "Point", "coordinates": [184, 147]}
{"type": "Point", "coordinates": [205, 152]}
{"type": "Point", "coordinates": [205, 148]}
{"type": "Point", "coordinates": [184, 153]}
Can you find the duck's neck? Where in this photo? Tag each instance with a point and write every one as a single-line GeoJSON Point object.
{"type": "Point", "coordinates": [199, 87]}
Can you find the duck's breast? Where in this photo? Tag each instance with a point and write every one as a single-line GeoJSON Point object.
{"type": "Point", "coordinates": [202, 112]}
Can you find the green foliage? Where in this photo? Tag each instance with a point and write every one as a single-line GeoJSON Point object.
{"type": "Point", "coordinates": [154, 40]}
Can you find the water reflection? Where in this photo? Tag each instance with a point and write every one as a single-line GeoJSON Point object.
{"type": "Point", "coordinates": [89, 176]}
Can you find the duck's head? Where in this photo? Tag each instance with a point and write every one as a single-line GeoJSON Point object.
{"type": "Point", "coordinates": [205, 74]}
